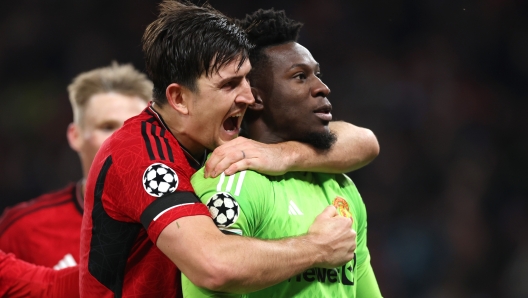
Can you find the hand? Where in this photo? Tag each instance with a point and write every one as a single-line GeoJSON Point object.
{"type": "Point", "coordinates": [242, 154]}
{"type": "Point", "coordinates": [334, 234]}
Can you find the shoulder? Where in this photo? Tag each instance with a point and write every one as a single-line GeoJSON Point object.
{"type": "Point", "coordinates": [235, 183]}
{"type": "Point", "coordinates": [141, 143]}
{"type": "Point", "coordinates": [41, 204]}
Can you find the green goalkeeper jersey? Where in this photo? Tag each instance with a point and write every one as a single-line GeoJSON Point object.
{"type": "Point", "coordinates": [273, 207]}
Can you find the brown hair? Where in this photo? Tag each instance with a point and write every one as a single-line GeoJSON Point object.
{"type": "Point", "coordinates": [186, 41]}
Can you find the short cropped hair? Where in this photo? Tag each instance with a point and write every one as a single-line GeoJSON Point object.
{"type": "Point", "coordinates": [266, 28]}
{"type": "Point", "coordinates": [187, 41]}
{"type": "Point", "coordinates": [123, 79]}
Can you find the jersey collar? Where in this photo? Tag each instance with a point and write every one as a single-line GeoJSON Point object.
{"type": "Point", "coordinates": [195, 163]}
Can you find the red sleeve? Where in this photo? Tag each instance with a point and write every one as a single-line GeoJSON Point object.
{"type": "Point", "coordinates": [153, 192]}
{"type": "Point", "coordinates": [21, 279]}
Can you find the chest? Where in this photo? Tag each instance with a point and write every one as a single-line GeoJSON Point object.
{"type": "Point", "coordinates": [297, 202]}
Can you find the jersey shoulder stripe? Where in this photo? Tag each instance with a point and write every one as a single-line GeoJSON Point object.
{"type": "Point", "coordinates": [21, 210]}
{"type": "Point", "coordinates": [227, 186]}
{"type": "Point", "coordinates": [155, 140]}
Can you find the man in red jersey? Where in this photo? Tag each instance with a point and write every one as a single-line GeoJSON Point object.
{"type": "Point", "coordinates": [143, 223]}
{"type": "Point", "coordinates": [46, 231]}
{"type": "Point", "coordinates": [21, 279]}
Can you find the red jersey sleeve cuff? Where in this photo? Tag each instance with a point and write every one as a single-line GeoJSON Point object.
{"type": "Point", "coordinates": [169, 208]}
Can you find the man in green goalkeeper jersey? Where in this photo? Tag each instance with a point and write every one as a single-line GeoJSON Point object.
{"type": "Point", "coordinates": [290, 104]}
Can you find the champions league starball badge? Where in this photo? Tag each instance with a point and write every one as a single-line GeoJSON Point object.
{"type": "Point", "coordinates": [159, 179]}
{"type": "Point", "coordinates": [224, 209]}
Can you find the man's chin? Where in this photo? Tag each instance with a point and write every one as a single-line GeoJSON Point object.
{"type": "Point", "coordinates": [222, 141]}
{"type": "Point", "coordinates": [323, 140]}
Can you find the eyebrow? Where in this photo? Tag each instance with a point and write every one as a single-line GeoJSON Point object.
{"type": "Point", "coordinates": [223, 81]}
{"type": "Point", "coordinates": [304, 65]}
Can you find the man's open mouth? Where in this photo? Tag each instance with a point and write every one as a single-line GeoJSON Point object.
{"type": "Point", "coordinates": [232, 123]}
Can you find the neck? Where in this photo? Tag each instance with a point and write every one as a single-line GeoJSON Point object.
{"type": "Point", "coordinates": [259, 131]}
{"type": "Point", "coordinates": [176, 126]}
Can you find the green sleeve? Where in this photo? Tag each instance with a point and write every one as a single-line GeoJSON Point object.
{"type": "Point", "coordinates": [367, 286]}
{"type": "Point", "coordinates": [360, 219]}
{"type": "Point", "coordinates": [250, 192]}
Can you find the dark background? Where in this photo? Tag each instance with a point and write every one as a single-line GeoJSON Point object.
{"type": "Point", "coordinates": [443, 85]}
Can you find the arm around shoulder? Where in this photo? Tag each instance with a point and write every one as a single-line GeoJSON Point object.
{"type": "Point", "coordinates": [355, 148]}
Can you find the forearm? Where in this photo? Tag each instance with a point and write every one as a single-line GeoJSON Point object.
{"type": "Point", "coordinates": [261, 264]}
{"type": "Point", "coordinates": [231, 263]}
{"type": "Point", "coordinates": [221, 262]}
{"type": "Point", "coordinates": [355, 148]}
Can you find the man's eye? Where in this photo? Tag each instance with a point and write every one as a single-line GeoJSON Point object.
{"type": "Point", "coordinates": [229, 85]}
{"type": "Point", "coordinates": [300, 76]}
{"type": "Point", "coordinates": [319, 75]}
{"type": "Point", "coordinates": [109, 127]}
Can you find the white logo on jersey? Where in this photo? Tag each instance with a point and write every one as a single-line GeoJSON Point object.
{"type": "Point", "coordinates": [159, 179]}
{"type": "Point", "coordinates": [294, 210]}
{"type": "Point", "coordinates": [67, 261]}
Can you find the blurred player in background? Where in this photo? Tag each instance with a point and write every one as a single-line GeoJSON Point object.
{"type": "Point", "coordinates": [46, 230]}
{"type": "Point", "coordinates": [22, 279]}
{"type": "Point", "coordinates": [290, 104]}
{"type": "Point", "coordinates": [143, 223]}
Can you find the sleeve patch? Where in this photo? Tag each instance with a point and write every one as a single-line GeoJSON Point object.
{"type": "Point", "coordinates": [159, 180]}
{"type": "Point", "coordinates": [224, 209]}
{"type": "Point", "coordinates": [166, 203]}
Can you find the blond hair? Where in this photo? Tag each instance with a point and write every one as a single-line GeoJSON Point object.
{"type": "Point", "coordinates": [123, 79]}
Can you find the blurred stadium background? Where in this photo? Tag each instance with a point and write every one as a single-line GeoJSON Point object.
{"type": "Point", "coordinates": [443, 84]}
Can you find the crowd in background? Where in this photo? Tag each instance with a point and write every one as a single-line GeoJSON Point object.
{"type": "Point", "coordinates": [442, 84]}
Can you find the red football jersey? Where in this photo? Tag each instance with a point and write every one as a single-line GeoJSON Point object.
{"type": "Point", "coordinates": [46, 230]}
{"type": "Point", "coordinates": [21, 279]}
{"type": "Point", "coordinates": [139, 183]}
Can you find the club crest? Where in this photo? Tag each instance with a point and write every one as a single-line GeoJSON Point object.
{"type": "Point", "coordinates": [342, 207]}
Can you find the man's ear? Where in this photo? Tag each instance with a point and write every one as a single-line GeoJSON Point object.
{"type": "Point", "coordinates": [176, 99]}
{"type": "Point", "coordinates": [74, 136]}
{"type": "Point", "coordinates": [259, 104]}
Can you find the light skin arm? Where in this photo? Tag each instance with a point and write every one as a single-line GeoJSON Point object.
{"type": "Point", "coordinates": [355, 148]}
{"type": "Point", "coordinates": [236, 264]}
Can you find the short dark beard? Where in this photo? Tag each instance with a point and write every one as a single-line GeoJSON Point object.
{"type": "Point", "coordinates": [320, 140]}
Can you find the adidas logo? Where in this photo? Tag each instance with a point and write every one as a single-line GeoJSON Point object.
{"type": "Point", "coordinates": [67, 261]}
{"type": "Point", "coordinates": [294, 210]}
